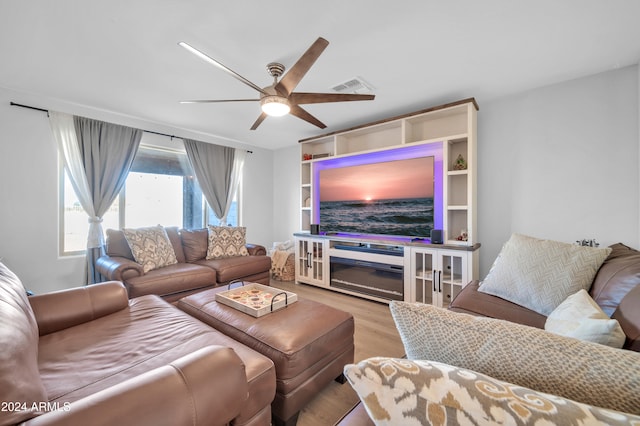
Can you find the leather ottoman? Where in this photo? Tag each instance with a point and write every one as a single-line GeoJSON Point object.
{"type": "Point", "coordinates": [308, 342]}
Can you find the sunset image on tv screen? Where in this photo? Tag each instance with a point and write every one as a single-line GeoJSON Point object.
{"type": "Point", "coordinates": [393, 197]}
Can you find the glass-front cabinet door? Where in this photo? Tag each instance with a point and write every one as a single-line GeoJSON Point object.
{"type": "Point", "coordinates": [423, 284]}
{"type": "Point", "coordinates": [310, 261]}
{"type": "Point", "coordinates": [437, 276]}
{"type": "Point", "coordinates": [453, 275]}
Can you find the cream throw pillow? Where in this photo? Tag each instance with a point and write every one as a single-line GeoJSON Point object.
{"type": "Point", "coordinates": [582, 371]}
{"type": "Point", "coordinates": [150, 247]}
{"type": "Point", "coordinates": [541, 274]}
{"type": "Point", "coordinates": [226, 241]}
{"type": "Point", "coordinates": [404, 392]}
{"type": "Point", "coordinates": [580, 317]}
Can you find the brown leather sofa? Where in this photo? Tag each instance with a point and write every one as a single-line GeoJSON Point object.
{"type": "Point", "coordinates": [90, 355]}
{"type": "Point", "coordinates": [191, 274]}
{"type": "Point", "coordinates": [616, 289]}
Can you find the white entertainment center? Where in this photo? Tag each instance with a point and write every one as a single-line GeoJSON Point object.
{"type": "Point", "coordinates": [387, 268]}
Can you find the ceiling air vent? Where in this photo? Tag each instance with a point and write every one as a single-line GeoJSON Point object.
{"type": "Point", "coordinates": [354, 85]}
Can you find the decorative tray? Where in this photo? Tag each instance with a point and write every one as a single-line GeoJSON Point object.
{"type": "Point", "coordinates": [256, 299]}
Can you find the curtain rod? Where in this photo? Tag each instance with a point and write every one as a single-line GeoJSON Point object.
{"type": "Point", "coordinates": [146, 131]}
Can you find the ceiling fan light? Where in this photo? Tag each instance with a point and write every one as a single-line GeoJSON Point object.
{"type": "Point", "coordinates": [275, 106]}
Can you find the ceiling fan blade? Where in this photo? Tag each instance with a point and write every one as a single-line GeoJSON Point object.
{"type": "Point", "coordinates": [259, 121]}
{"type": "Point", "coordinates": [209, 101]}
{"type": "Point", "coordinates": [220, 65]}
{"type": "Point", "coordinates": [291, 79]}
{"type": "Point", "coordinates": [299, 112]}
{"type": "Point", "coordinates": [318, 98]}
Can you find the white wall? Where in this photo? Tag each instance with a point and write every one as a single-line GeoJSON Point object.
{"type": "Point", "coordinates": [557, 162]}
{"type": "Point", "coordinates": [28, 195]}
{"type": "Point", "coordinates": [257, 198]}
{"type": "Point", "coordinates": [286, 193]}
{"type": "Point", "coordinates": [561, 162]}
{"type": "Point", "coordinates": [29, 190]}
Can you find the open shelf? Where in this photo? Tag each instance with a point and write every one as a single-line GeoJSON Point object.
{"type": "Point", "coordinates": [431, 125]}
{"type": "Point", "coordinates": [371, 138]}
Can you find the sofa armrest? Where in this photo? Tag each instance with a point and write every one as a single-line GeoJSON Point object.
{"type": "Point", "coordinates": [65, 308]}
{"type": "Point", "coordinates": [118, 268]}
{"type": "Point", "coordinates": [256, 249]}
{"type": "Point", "coordinates": [206, 387]}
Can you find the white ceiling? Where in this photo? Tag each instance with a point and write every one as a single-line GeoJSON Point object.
{"type": "Point", "coordinates": [123, 56]}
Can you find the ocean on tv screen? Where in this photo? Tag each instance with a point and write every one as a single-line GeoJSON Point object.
{"type": "Point", "coordinates": [397, 216]}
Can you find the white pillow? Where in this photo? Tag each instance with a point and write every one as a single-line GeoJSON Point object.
{"type": "Point", "coordinates": [580, 317]}
{"type": "Point", "coordinates": [541, 274]}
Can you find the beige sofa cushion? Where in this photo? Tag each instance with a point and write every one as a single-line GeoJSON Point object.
{"type": "Point", "coordinates": [582, 371]}
{"type": "Point", "coordinates": [20, 383]}
{"type": "Point", "coordinates": [541, 274]}
{"type": "Point", "coordinates": [404, 392]}
{"type": "Point", "coordinates": [151, 247]}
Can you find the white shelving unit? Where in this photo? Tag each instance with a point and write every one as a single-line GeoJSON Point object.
{"type": "Point", "coordinates": [453, 126]}
{"type": "Point", "coordinates": [431, 273]}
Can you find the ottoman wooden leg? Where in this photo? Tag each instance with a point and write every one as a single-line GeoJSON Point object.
{"type": "Point", "coordinates": [341, 379]}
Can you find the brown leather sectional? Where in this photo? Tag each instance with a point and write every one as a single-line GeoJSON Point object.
{"type": "Point", "coordinates": [191, 274]}
{"type": "Point", "coordinates": [89, 355]}
{"type": "Point", "coordinates": [93, 355]}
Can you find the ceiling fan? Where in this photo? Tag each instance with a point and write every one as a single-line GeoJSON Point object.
{"type": "Point", "coordinates": [279, 98]}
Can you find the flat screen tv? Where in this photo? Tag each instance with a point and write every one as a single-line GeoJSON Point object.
{"type": "Point", "coordinates": [382, 196]}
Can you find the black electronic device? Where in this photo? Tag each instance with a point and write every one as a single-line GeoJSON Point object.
{"type": "Point", "coordinates": [436, 236]}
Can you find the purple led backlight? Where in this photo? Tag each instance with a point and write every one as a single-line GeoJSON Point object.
{"type": "Point", "coordinates": [402, 153]}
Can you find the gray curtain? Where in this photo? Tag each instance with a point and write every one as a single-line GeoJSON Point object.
{"type": "Point", "coordinates": [213, 166]}
{"type": "Point", "coordinates": [97, 157]}
{"type": "Point", "coordinates": [107, 151]}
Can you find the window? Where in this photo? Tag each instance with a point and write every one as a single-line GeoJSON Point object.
{"type": "Point", "coordinates": [160, 189]}
{"type": "Point", "coordinates": [74, 224]}
{"type": "Point", "coordinates": [156, 197]}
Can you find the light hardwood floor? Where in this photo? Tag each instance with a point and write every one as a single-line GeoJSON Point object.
{"type": "Point", "coordinates": [375, 335]}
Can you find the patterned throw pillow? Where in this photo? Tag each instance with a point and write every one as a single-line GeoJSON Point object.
{"type": "Point", "coordinates": [226, 241]}
{"type": "Point", "coordinates": [150, 247]}
{"type": "Point", "coordinates": [541, 274]}
{"type": "Point", "coordinates": [403, 392]}
{"type": "Point", "coordinates": [581, 318]}
{"type": "Point", "coordinates": [582, 371]}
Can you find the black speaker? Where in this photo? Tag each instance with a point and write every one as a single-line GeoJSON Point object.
{"type": "Point", "coordinates": [315, 229]}
{"type": "Point", "coordinates": [436, 236]}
